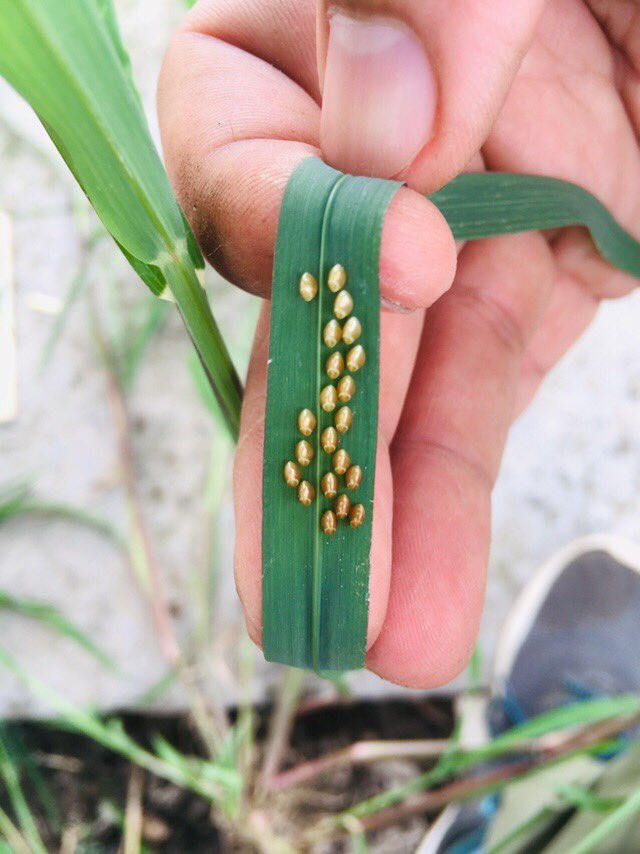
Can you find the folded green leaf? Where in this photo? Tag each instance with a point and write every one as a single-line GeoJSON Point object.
{"type": "Point", "coordinates": [315, 587]}
{"type": "Point", "coordinates": [315, 584]}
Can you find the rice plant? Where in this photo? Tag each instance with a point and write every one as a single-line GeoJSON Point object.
{"type": "Point", "coordinates": [68, 61]}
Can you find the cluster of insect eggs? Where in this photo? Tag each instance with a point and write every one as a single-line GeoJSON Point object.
{"type": "Point", "coordinates": [329, 484]}
{"type": "Point", "coordinates": [330, 397]}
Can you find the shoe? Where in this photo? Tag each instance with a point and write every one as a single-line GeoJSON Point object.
{"type": "Point", "coordinates": [568, 637]}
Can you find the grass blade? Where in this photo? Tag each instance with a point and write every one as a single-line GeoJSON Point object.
{"type": "Point", "coordinates": [13, 841]}
{"type": "Point", "coordinates": [577, 714]}
{"type": "Point", "coordinates": [618, 782]}
{"type": "Point", "coordinates": [68, 61]}
{"type": "Point", "coordinates": [62, 58]}
{"type": "Point", "coordinates": [530, 827]}
{"type": "Point", "coordinates": [78, 283]}
{"type": "Point", "coordinates": [26, 763]}
{"type": "Point", "coordinates": [287, 585]}
{"type": "Point", "coordinates": [485, 204]}
{"type": "Point", "coordinates": [608, 825]}
{"type": "Point", "coordinates": [13, 496]}
{"type": "Point", "coordinates": [155, 315]}
{"type": "Point", "coordinates": [15, 500]}
{"type": "Point", "coordinates": [205, 778]}
{"type": "Point", "coordinates": [315, 587]}
{"type": "Point", "coordinates": [68, 512]}
{"type": "Point", "coordinates": [54, 620]}
{"type": "Point", "coordinates": [11, 779]}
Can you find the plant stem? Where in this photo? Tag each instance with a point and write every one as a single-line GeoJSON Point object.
{"type": "Point", "coordinates": [460, 790]}
{"type": "Point", "coordinates": [365, 752]}
{"type": "Point", "coordinates": [141, 555]}
{"type": "Point", "coordinates": [194, 307]}
{"type": "Point", "coordinates": [360, 753]}
{"type": "Point", "coordinates": [139, 545]}
{"type": "Point", "coordinates": [133, 813]}
{"type": "Point", "coordinates": [205, 580]}
{"type": "Point", "coordinates": [245, 722]}
{"type": "Point", "coordinates": [388, 807]}
{"type": "Point", "coordinates": [71, 838]}
{"type": "Point", "coordinates": [624, 812]}
{"type": "Point", "coordinates": [281, 723]}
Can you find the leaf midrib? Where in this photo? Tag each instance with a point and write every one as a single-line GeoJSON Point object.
{"type": "Point", "coordinates": [317, 558]}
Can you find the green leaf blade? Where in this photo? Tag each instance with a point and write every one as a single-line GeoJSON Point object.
{"type": "Point", "coordinates": [486, 204]}
{"type": "Point", "coordinates": [353, 240]}
{"type": "Point", "coordinates": [85, 95]}
{"type": "Point", "coordinates": [288, 528]}
{"type": "Point", "coordinates": [52, 618]}
{"type": "Point", "coordinates": [69, 62]}
{"type": "Point", "coordinates": [315, 587]}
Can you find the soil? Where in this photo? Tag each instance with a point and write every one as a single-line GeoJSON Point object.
{"type": "Point", "coordinates": [89, 784]}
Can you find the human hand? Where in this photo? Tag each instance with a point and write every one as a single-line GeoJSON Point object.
{"type": "Point", "coordinates": [421, 94]}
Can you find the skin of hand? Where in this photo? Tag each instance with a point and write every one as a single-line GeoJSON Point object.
{"type": "Point", "coordinates": [419, 91]}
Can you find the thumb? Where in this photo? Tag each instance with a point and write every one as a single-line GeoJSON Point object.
{"type": "Point", "coordinates": [412, 87]}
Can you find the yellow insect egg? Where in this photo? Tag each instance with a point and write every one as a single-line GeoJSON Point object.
{"type": "Point", "coordinates": [355, 358]}
{"type": "Point", "coordinates": [291, 474]}
{"type": "Point", "coordinates": [341, 461]}
{"type": "Point", "coordinates": [356, 515]}
{"type": "Point", "coordinates": [343, 419]}
{"type": "Point", "coordinates": [329, 439]}
{"type": "Point", "coordinates": [306, 493]}
{"type": "Point", "coordinates": [353, 477]}
{"type": "Point", "coordinates": [343, 305]}
{"type": "Point", "coordinates": [332, 333]}
{"type": "Point", "coordinates": [304, 452]}
{"type": "Point", "coordinates": [341, 506]}
{"type": "Point", "coordinates": [351, 331]}
{"type": "Point", "coordinates": [328, 398]}
{"type": "Point", "coordinates": [329, 485]}
{"type": "Point", "coordinates": [346, 388]}
{"type": "Point", "coordinates": [334, 365]}
{"type": "Point", "coordinates": [337, 278]}
{"type": "Point", "coordinates": [306, 422]}
{"type": "Point", "coordinates": [328, 522]}
{"type": "Point", "coordinates": [308, 287]}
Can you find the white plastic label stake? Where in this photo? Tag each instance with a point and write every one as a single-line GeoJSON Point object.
{"type": "Point", "coordinates": [8, 355]}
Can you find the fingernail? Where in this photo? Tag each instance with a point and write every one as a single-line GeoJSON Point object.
{"type": "Point", "coordinates": [379, 96]}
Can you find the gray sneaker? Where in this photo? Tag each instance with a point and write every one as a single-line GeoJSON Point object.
{"type": "Point", "coordinates": [572, 634]}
